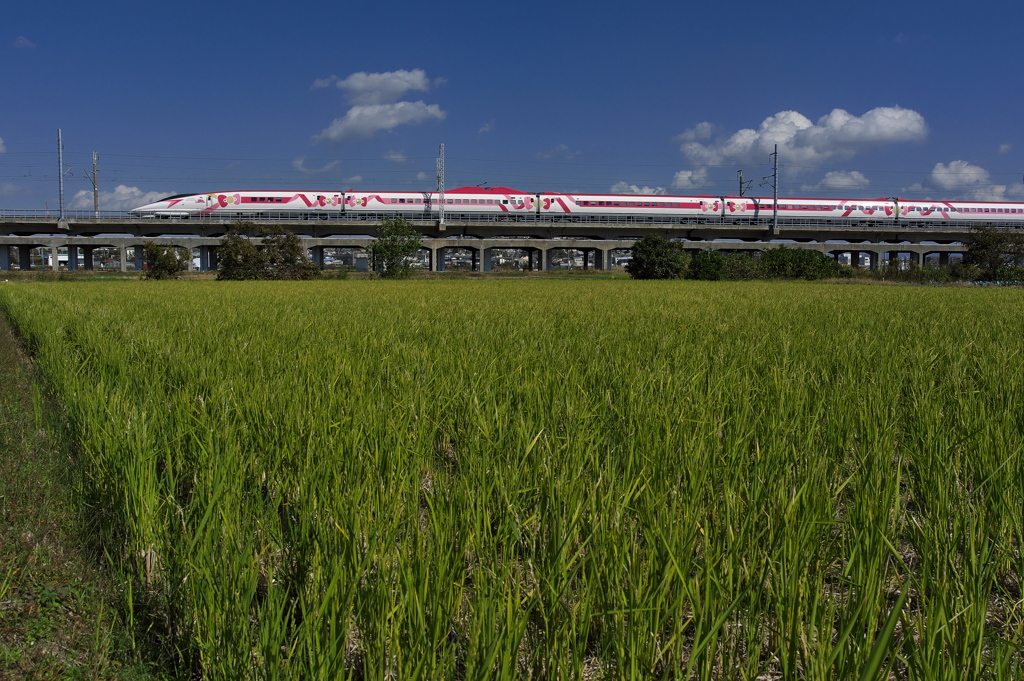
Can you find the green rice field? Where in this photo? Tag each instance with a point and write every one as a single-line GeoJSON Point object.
{"type": "Point", "coordinates": [549, 479]}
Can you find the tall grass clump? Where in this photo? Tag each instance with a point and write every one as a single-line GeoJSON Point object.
{"type": "Point", "coordinates": [550, 479]}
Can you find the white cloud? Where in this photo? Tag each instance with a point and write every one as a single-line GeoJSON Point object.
{"type": "Point", "coordinates": [122, 198]}
{"type": "Point", "coordinates": [839, 134]}
{"type": "Point", "coordinates": [375, 106]}
{"type": "Point", "coordinates": [377, 88]}
{"type": "Point", "coordinates": [701, 131]}
{"type": "Point", "coordinates": [956, 175]}
{"type": "Point", "coordinates": [363, 122]}
{"type": "Point", "coordinates": [23, 43]}
{"type": "Point", "coordinates": [396, 156]}
{"type": "Point", "coordinates": [300, 165]}
{"type": "Point", "coordinates": [561, 151]}
{"type": "Point", "coordinates": [690, 179]}
{"type": "Point", "coordinates": [841, 180]}
{"type": "Point", "coordinates": [486, 127]}
{"type": "Point", "coordinates": [960, 179]}
{"type": "Point", "coordinates": [355, 179]}
{"type": "Point", "coordinates": [1004, 148]}
{"type": "Point", "coordinates": [626, 188]}
{"type": "Point", "coordinates": [423, 176]}
{"type": "Point", "coordinates": [8, 189]}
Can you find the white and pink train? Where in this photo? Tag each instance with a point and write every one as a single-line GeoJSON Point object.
{"type": "Point", "coordinates": [506, 203]}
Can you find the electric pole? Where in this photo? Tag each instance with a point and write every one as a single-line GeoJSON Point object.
{"type": "Point", "coordinates": [774, 177]}
{"type": "Point", "coordinates": [60, 173]}
{"type": "Point", "coordinates": [440, 188]}
{"type": "Point", "coordinates": [743, 185]}
{"type": "Point", "coordinates": [775, 191]}
{"type": "Point", "coordinates": [95, 184]}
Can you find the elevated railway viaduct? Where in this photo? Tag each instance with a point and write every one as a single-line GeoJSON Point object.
{"type": "Point", "coordinates": [84, 233]}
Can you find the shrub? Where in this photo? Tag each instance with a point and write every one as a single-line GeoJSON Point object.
{"type": "Point", "coordinates": [279, 255]}
{"type": "Point", "coordinates": [707, 266]}
{"type": "Point", "coordinates": [396, 242]}
{"type": "Point", "coordinates": [655, 257]}
{"type": "Point", "coordinates": [165, 262]}
{"type": "Point", "coordinates": [800, 263]}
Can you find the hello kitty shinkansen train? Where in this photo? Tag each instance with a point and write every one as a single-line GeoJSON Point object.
{"type": "Point", "coordinates": [503, 203]}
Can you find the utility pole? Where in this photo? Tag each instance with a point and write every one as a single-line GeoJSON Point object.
{"type": "Point", "coordinates": [95, 184]}
{"type": "Point", "coordinates": [743, 185]}
{"type": "Point", "coordinates": [774, 177]}
{"type": "Point", "coordinates": [60, 173]}
{"type": "Point", "coordinates": [775, 191]}
{"type": "Point", "coordinates": [440, 188]}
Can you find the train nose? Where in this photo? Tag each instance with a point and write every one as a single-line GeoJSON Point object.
{"type": "Point", "coordinates": [149, 208]}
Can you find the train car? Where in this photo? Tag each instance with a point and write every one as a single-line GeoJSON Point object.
{"type": "Point", "coordinates": [635, 206]}
{"type": "Point", "coordinates": [494, 201]}
{"type": "Point", "coordinates": [977, 212]}
{"type": "Point", "coordinates": [244, 204]}
{"type": "Point", "coordinates": [739, 208]}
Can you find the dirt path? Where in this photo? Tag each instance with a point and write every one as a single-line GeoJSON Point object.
{"type": "Point", "coordinates": [57, 618]}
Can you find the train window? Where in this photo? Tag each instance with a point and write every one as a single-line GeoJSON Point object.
{"type": "Point", "coordinates": [647, 203]}
{"type": "Point", "coordinates": [505, 201]}
{"type": "Point", "coordinates": [986, 210]}
{"type": "Point", "coordinates": [394, 200]}
{"type": "Point", "coordinates": [401, 200]}
{"type": "Point", "coordinates": [448, 200]}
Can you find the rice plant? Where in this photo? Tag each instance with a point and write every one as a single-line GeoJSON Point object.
{"type": "Point", "coordinates": [551, 479]}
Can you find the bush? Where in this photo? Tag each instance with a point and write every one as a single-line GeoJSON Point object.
{"type": "Point", "coordinates": [800, 263]}
{"type": "Point", "coordinates": [656, 258]}
{"type": "Point", "coordinates": [279, 255]}
{"type": "Point", "coordinates": [165, 262]}
{"type": "Point", "coordinates": [741, 266]}
{"type": "Point", "coordinates": [707, 266]}
{"type": "Point", "coordinates": [396, 242]}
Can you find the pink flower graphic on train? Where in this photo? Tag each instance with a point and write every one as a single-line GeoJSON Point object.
{"type": "Point", "coordinates": [547, 203]}
{"type": "Point", "coordinates": [224, 201]}
{"type": "Point", "coordinates": [710, 205]}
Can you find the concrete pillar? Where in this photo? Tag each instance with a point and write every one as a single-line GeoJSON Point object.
{"type": "Point", "coordinates": [123, 254]}
{"type": "Point", "coordinates": [5, 258]}
{"type": "Point", "coordinates": [214, 258]}
{"type": "Point", "coordinates": [545, 259]}
{"type": "Point", "coordinates": [25, 257]}
{"type": "Point", "coordinates": [54, 261]}
{"type": "Point", "coordinates": [943, 259]}
{"type": "Point", "coordinates": [87, 253]}
{"type": "Point", "coordinates": [362, 264]}
{"type": "Point", "coordinates": [139, 259]}
{"type": "Point", "coordinates": [487, 258]}
{"type": "Point", "coordinates": [72, 258]}
{"type": "Point", "coordinates": [437, 259]}
{"type": "Point", "coordinates": [318, 256]}
{"type": "Point", "coordinates": [474, 265]}
{"type": "Point", "coordinates": [915, 257]}
{"type": "Point", "coordinates": [872, 260]}
{"type": "Point", "coordinates": [601, 259]}
{"type": "Point", "coordinates": [204, 258]}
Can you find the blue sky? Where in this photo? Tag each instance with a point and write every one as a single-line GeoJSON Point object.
{"type": "Point", "coordinates": [917, 99]}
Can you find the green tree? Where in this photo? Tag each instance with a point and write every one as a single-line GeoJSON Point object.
{"type": "Point", "coordinates": [278, 254]}
{"type": "Point", "coordinates": [164, 262]}
{"type": "Point", "coordinates": [656, 258]}
{"type": "Point", "coordinates": [995, 251]}
{"type": "Point", "coordinates": [707, 266]}
{"type": "Point", "coordinates": [396, 242]}
{"type": "Point", "coordinates": [800, 263]}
